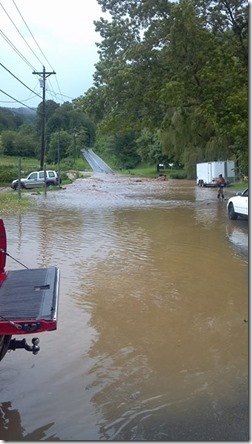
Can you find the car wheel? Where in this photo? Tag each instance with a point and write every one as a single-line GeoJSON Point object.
{"type": "Point", "coordinates": [231, 212]}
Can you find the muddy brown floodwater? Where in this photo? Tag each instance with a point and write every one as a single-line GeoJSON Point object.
{"type": "Point", "coordinates": [152, 338]}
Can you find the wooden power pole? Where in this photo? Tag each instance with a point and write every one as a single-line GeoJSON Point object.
{"type": "Point", "coordinates": [44, 76]}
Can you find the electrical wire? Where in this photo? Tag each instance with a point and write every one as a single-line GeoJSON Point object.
{"type": "Point", "coordinates": [37, 44]}
{"type": "Point", "coordinates": [62, 95]}
{"type": "Point", "coordinates": [25, 59]}
{"type": "Point", "coordinates": [20, 80]}
{"type": "Point", "coordinates": [16, 50]}
{"type": "Point", "coordinates": [52, 91]}
{"type": "Point", "coordinates": [13, 101]}
{"type": "Point", "coordinates": [20, 32]}
{"type": "Point", "coordinates": [18, 101]}
{"type": "Point", "coordinates": [32, 36]}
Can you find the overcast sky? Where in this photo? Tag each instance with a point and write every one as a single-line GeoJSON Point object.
{"type": "Point", "coordinates": [65, 38]}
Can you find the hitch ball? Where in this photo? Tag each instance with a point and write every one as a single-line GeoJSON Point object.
{"type": "Point", "coordinates": [35, 346]}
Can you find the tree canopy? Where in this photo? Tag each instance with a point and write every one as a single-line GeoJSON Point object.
{"type": "Point", "coordinates": [67, 130]}
{"type": "Point", "coordinates": [171, 82]}
{"type": "Point", "coordinates": [178, 70]}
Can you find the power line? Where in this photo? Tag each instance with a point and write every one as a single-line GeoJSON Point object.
{"type": "Point", "coordinates": [37, 44]}
{"type": "Point", "coordinates": [20, 80]}
{"type": "Point", "coordinates": [52, 89]}
{"type": "Point", "coordinates": [32, 36]}
{"type": "Point", "coordinates": [16, 100]}
{"type": "Point", "coordinates": [16, 50]}
{"type": "Point", "coordinates": [23, 57]}
{"type": "Point", "coordinates": [58, 87]}
{"type": "Point", "coordinates": [62, 95]}
{"type": "Point", "coordinates": [13, 47]}
{"type": "Point", "coordinates": [20, 33]}
{"type": "Point", "coordinates": [13, 101]}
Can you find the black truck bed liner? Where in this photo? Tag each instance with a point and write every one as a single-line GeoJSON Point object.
{"type": "Point", "coordinates": [29, 298]}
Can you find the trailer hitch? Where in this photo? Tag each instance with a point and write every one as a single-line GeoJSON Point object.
{"type": "Point", "coordinates": [21, 343]}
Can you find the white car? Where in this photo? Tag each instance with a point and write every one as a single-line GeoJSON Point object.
{"type": "Point", "coordinates": [238, 205]}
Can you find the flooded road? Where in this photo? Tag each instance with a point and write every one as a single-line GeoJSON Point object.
{"type": "Point", "coordinates": [152, 338]}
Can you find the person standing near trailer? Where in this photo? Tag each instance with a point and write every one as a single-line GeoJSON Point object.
{"type": "Point", "coordinates": [221, 184]}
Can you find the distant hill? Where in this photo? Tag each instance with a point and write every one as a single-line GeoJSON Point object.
{"type": "Point", "coordinates": [12, 118]}
{"type": "Point", "coordinates": [26, 112]}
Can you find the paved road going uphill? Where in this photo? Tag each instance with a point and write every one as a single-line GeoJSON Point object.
{"type": "Point", "coordinates": [96, 163]}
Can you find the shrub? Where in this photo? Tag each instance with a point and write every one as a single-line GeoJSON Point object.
{"type": "Point", "coordinates": [178, 175]}
{"type": "Point", "coordinates": [8, 174]}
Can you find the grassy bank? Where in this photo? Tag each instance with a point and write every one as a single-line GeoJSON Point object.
{"type": "Point", "coordinates": [239, 186]}
{"type": "Point", "coordinates": [10, 164]}
{"type": "Point", "coordinates": [9, 167]}
{"type": "Point", "coordinates": [10, 201]}
{"type": "Point", "coordinates": [151, 171]}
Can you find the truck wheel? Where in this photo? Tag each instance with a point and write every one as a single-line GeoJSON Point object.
{"type": "Point", "coordinates": [4, 345]}
{"type": "Point", "coordinates": [231, 212]}
{"type": "Point", "coordinates": [22, 187]}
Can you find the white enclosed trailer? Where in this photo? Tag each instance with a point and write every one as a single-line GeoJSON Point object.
{"type": "Point", "coordinates": [207, 172]}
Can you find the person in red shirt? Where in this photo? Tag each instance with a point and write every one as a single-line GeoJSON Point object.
{"type": "Point", "coordinates": [221, 184]}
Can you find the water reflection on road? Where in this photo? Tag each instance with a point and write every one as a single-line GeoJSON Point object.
{"type": "Point", "coordinates": [152, 341]}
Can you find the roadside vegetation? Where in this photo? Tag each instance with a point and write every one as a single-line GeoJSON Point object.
{"type": "Point", "coordinates": [170, 173]}
{"type": "Point", "coordinates": [71, 171]}
{"type": "Point", "coordinates": [172, 81]}
{"type": "Point", "coordinates": [151, 171]}
{"type": "Point", "coordinates": [10, 201]}
{"type": "Point", "coordinates": [170, 86]}
{"type": "Point", "coordinates": [9, 168]}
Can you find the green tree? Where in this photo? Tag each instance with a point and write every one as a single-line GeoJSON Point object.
{"type": "Point", "coordinates": [59, 146]}
{"type": "Point", "coordinates": [178, 69]}
{"type": "Point", "coordinates": [125, 150]}
{"type": "Point", "coordinates": [9, 120]}
{"type": "Point", "coordinates": [8, 142]}
{"type": "Point", "coordinates": [120, 149]}
{"type": "Point", "coordinates": [17, 144]}
{"type": "Point", "coordinates": [149, 147]}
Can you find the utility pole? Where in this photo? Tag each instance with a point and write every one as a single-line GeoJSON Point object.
{"type": "Point", "coordinates": [74, 144]}
{"type": "Point", "coordinates": [44, 76]}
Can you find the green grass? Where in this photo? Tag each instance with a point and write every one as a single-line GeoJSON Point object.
{"type": "Point", "coordinates": [238, 186]}
{"type": "Point", "coordinates": [80, 164]}
{"type": "Point", "coordinates": [146, 171]}
{"type": "Point", "coordinates": [10, 201]}
{"type": "Point", "coordinates": [26, 162]}
{"type": "Point", "coordinates": [9, 167]}
{"type": "Point", "coordinates": [151, 171]}
{"type": "Point", "coordinates": [32, 164]}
